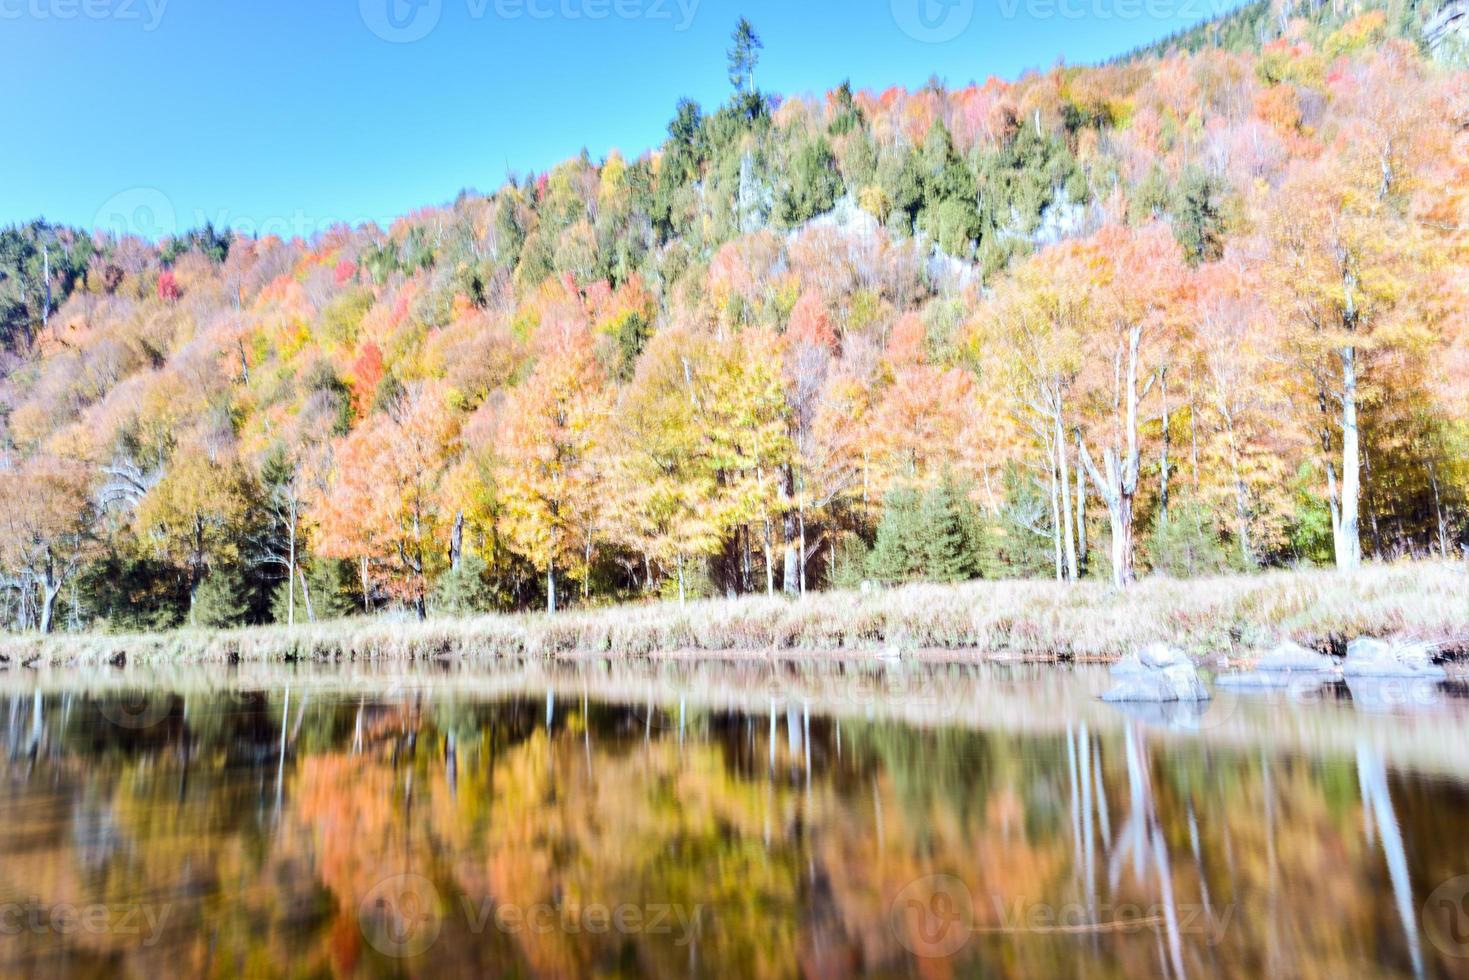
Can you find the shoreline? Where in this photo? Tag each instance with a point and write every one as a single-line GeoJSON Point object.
{"type": "Point", "coordinates": [974, 622]}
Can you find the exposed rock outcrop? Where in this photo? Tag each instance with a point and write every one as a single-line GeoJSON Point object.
{"type": "Point", "coordinates": [1288, 665]}
{"type": "Point", "coordinates": [1378, 658]}
{"type": "Point", "coordinates": [1156, 674]}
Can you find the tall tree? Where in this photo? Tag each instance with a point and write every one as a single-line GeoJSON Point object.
{"type": "Point", "coordinates": [744, 55]}
{"type": "Point", "coordinates": [46, 528]}
{"type": "Point", "coordinates": [552, 426]}
{"type": "Point", "coordinates": [1140, 278]}
{"type": "Point", "coordinates": [664, 499]}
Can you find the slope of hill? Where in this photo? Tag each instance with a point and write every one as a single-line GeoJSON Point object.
{"type": "Point", "coordinates": [1180, 314]}
{"type": "Point", "coordinates": [1440, 28]}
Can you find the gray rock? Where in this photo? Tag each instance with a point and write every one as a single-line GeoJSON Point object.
{"type": "Point", "coordinates": [1289, 657]}
{"type": "Point", "coordinates": [1128, 666]}
{"type": "Point", "coordinates": [1367, 657]}
{"type": "Point", "coordinates": [1159, 656]}
{"type": "Point", "coordinates": [1447, 32]}
{"type": "Point", "coordinates": [1156, 674]}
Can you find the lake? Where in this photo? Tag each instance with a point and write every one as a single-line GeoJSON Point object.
{"type": "Point", "coordinates": [732, 818]}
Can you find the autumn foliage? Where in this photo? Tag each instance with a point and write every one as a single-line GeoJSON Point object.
{"type": "Point", "coordinates": [1212, 298]}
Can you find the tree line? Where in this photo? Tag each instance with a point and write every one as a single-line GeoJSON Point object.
{"type": "Point", "coordinates": [1184, 314]}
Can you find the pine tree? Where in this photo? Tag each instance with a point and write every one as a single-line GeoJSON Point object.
{"type": "Point", "coordinates": [221, 600]}
{"type": "Point", "coordinates": [895, 557]}
{"type": "Point", "coordinates": [744, 56]}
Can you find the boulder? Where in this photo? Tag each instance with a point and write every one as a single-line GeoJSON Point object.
{"type": "Point", "coordinates": [1367, 657]}
{"type": "Point", "coordinates": [1156, 674]}
{"type": "Point", "coordinates": [1289, 665]}
{"type": "Point", "coordinates": [1128, 666]}
{"type": "Point", "coordinates": [1161, 656]}
{"type": "Point", "coordinates": [1290, 656]}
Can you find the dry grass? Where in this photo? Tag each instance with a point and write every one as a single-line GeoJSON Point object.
{"type": "Point", "coordinates": [1236, 615]}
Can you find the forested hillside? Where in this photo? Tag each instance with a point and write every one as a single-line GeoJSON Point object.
{"type": "Point", "coordinates": [1182, 313]}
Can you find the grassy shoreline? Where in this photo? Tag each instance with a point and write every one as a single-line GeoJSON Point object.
{"type": "Point", "coordinates": [1236, 616]}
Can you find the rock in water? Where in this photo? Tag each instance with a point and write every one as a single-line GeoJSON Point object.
{"type": "Point", "coordinates": [1289, 665]}
{"type": "Point", "coordinates": [1128, 666]}
{"type": "Point", "coordinates": [1367, 657]}
{"type": "Point", "coordinates": [1294, 657]}
{"type": "Point", "coordinates": [1160, 656]}
{"type": "Point", "coordinates": [1157, 674]}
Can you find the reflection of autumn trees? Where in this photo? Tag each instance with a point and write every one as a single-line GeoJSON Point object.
{"type": "Point", "coordinates": [794, 834]}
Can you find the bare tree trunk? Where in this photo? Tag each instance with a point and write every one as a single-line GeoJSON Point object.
{"type": "Point", "coordinates": [1443, 530]}
{"type": "Point", "coordinates": [769, 558]}
{"type": "Point", "coordinates": [1063, 476]}
{"type": "Point", "coordinates": [456, 542]}
{"type": "Point", "coordinates": [48, 607]}
{"type": "Point", "coordinates": [366, 585]}
{"type": "Point", "coordinates": [1167, 442]}
{"type": "Point", "coordinates": [551, 587]}
{"type": "Point", "coordinates": [805, 557]}
{"type": "Point", "coordinates": [1081, 543]}
{"type": "Point", "coordinates": [1118, 485]}
{"type": "Point", "coordinates": [1349, 543]}
{"type": "Point", "coordinates": [306, 594]}
{"type": "Point", "coordinates": [791, 571]}
{"type": "Point", "coordinates": [1241, 495]}
{"type": "Point", "coordinates": [291, 574]}
{"type": "Point", "coordinates": [1056, 521]}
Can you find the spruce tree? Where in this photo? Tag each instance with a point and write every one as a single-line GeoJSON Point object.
{"type": "Point", "coordinates": [895, 555]}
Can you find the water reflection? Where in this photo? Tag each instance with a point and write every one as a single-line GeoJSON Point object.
{"type": "Point", "coordinates": [755, 819]}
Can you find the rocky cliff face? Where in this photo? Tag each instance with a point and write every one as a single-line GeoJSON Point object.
{"type": "Point", "coordinates": [1446, 33]}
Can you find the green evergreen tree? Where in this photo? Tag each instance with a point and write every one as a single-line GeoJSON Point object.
{"type": "Point", "coordinates": [336, 591]}
{"type": "Point", "coordinates": [897, 555]}
{"type": "Point", "coordinates": [744, 56]}
{"type": "Point", "coordinates": [934, 536]}
{"type": "Point", "coordinates": [462, 591]}
{"type": "Point", "coordinates": [1198, 223]}
{"type": "Point", "coordinates": [222, 600]}
{"type": "Point", "coordinates": [1186, 543]}
{"type": "Point", "coordinates": [941, 541]}
{"type": "Point", "coordinates": [814, 184]}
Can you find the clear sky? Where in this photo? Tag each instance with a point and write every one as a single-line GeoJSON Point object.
{"type": "Point", "coordinates": [289, 115]}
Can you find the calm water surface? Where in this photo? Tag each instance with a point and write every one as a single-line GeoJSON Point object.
{"type": "Point", "coordinates": [740, 819]}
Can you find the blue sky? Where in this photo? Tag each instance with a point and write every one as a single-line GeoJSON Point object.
{"type": "Point", "coordinates": [289, 115]}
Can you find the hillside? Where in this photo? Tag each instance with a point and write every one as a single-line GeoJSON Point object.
{"type": "Point", "coordinates": [1439, 28]}
{"type": "Point", "coordinates": [1183, 313]}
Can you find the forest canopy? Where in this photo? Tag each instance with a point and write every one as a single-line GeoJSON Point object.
{"type": "Point", "coordinates": [1197, 310]}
